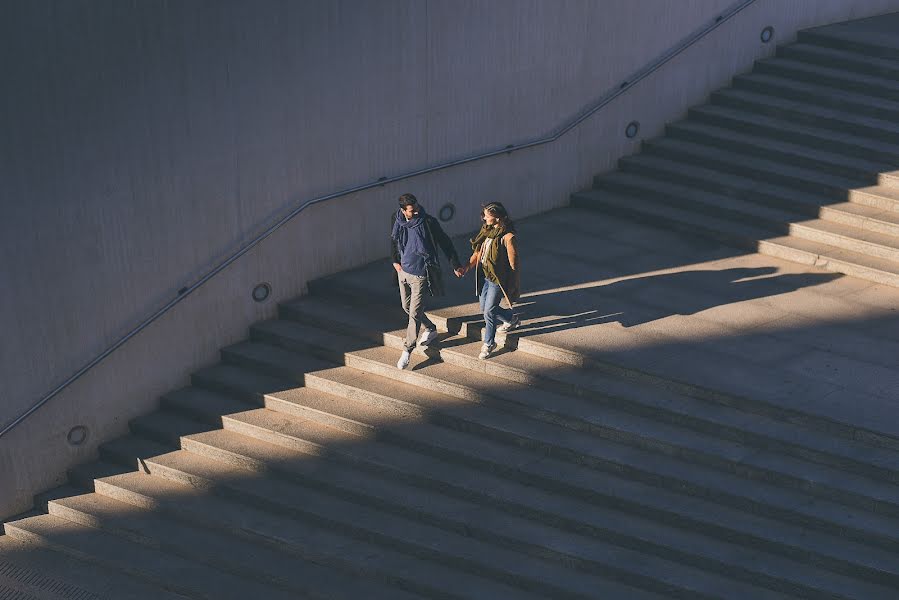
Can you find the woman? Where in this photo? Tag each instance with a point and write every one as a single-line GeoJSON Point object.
{"type": "Point", "coordinates": [495, 256]}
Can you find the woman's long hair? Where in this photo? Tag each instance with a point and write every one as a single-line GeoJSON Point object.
{"type": "Point", "coordinates": [498, 211]}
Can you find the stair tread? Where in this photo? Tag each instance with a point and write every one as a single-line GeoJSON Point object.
{"type": "Point", "coordinates": [834, 54]}
{"type": "Point", "coordinates": [465, 513]}
{"type": "Point", "coordinates": [718, 414]}
{"type": "Point", "coordinates": [856, 233]}
{"type": "Point", "coordinates": [739, 138]}
{"type": "Point", "coordinates": [646, 184]}
{"type": "Point", "coordinates": [36, 567]}
{"type": "Point", "coordinates": [868, 212]}
{"type": "Point", "coordinates": [563, 472]}
{"type": "Point", "coordinates": [498, 453]}
{"type": "Point", "coordinates": [712, 223]}
{"type": "Point", "coordinates": [588, 412]}
{"type": "Point", "coordinates": [663, 168]}
{"type": "Point", "coordinates": [250, 382]}
{"type": "Point", "coordinates": [786, 124]}
{"type": "Point", "coordinates": [816, 90]}
{"type": "Point", "coordinates": [826, 252]}
{"type": "Point", "coordinates": [865, 215]}
{"type": "Point", "coordinates": [290, 366]}
{"type": "Point", "coordinates": [483, 522]}
{"type": "Point", "coordinates": [809, 109]}
{"type": "Point", "coordinates": [834, 412]}
{"type": "Point", "coordinates": [312, 542]}
{"type": "Point", "coordinates": [831, 227]}
{"type": "Point", "coordinates": [688, 148]}
{"type": "Point", "coordinates": [130, 445]}
{"type": "Point", "coordinates": [823, 71]}
{"type": "Point", "coordinates": [160, 567]}
{"type": "Point", "coordinates": [195, 396]}
{"type": "Point", "coordinates": [822, 252]}
{"type": "Point", "coordinates": [216, 548]}
{"type": "Point", "coordinates": [885, 191]}
{"type": "Point", "coordinates": [476, 389]}
{"type": "Point", "coordinates": [488, 487]}
{"type": "Point", "coordinates": [442, 546]}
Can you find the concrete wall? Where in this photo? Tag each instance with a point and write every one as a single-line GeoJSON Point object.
{"type": "Point", "coordinates": [142, 140]}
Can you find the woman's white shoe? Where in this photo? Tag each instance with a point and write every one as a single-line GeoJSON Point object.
{"type": "Point", "coordinates": [486, 351]}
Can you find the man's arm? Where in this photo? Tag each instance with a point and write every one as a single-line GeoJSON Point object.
{"type": "Point", "coordinates": [395, 254]}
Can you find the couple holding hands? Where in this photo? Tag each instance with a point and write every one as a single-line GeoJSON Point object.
{"type": "Point", "coordinates": [415, 238]}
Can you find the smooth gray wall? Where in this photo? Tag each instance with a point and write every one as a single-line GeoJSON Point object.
{"type": "Point", "coordinates": [142, 140]}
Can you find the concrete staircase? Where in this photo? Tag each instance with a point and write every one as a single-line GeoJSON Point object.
{"type": "Point", "coordinates": [796, 160]}
{"type": "Point", "coordinates": [306, 465]}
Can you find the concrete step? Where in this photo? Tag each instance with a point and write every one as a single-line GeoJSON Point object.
{"type": "Point", "coordinates": [871, 48]}
{"type": "Point", "coordinates": [808, 114]}
{"type": "Point", "coordinates": [871, 243]}
{"type": "Point", "coordinates": [883, 198]}
{"type": "Point", "coordinates": [613, 394]}
{"type": "Point", "coordinates": [31, 570]}
{"type": "Point", "coordinates": [862, 216]}
{"type": "Point", "coordinates": [793, 154]}
{"type": "Point", "coordinates": [432, 551]}
{"type": "Point", "coordinates": [624, 524]}
{"type": "Point", "coordinates": [143, 524]}
{"type": "Point", "coordinates": [786, 87]}
{"type": "Point", "coordinates": [253, 385]}
{"type": "Point", "coordinates": [570, 413]}
{"type": "Point", "coordinates": [537, 499]}
{"type": "Point", "coordinates": [363, 569]}
{"type": "Point", "coordinates": [765, 213]}
{"type": "Point", "coordinates": [877, 196]}
{"type": "Point", "coordinates": [833, 232]}
{"type": "Point", "coordinates": [631, 464]}
{"type": "Point", "coordinates": [772, 171]}
{"type": "Point", "coordinates": [809, 136]}
{"type": "Point", "coordinates": [840, 59]}
{"type": "Point", "coordinates": [842, 79]}
{"type": "Point", "coordinates": [773, 219]}
{"type": "Point", "coordinates": [563, 476]}
{"type": "Point", "coordinates": [726, 385]}
{"type": "Point", "coordinates": [173, 574]}
{"type": "Point", "coordinates": [571, 546]}
{"type": "Point", "coordinates": [786, 247]}
{"type": "Point", "coordinates": [713, 180]}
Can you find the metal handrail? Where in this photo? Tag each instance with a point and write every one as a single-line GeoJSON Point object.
{"type": "Point", "coordinates": [183, 293]}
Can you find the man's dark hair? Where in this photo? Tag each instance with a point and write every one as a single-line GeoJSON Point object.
{"type": "Point", "coordinates": [408, 200]}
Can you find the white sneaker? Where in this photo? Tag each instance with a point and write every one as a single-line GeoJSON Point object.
{"type": "Point", "coordinates": [486, 350]}
{"type": "Point", "coordinates": [510, 326]}
{"type": "Point", "coordinates": [427, 336]}
{"type": "Point", "coordinates": [403, 362]}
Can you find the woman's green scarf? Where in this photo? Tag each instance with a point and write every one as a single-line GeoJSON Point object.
{"type": "Point", "coordinates": [489, 262]}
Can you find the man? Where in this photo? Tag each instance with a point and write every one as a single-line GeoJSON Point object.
{"type": "Point", "coordinates": [414, 241]}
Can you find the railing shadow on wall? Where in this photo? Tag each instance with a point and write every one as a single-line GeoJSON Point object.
{"type": "Point", "coordinates": [604, 100]}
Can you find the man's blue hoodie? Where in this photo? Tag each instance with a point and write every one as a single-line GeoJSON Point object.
{"type": "Point", "coordinates": [415, 246]}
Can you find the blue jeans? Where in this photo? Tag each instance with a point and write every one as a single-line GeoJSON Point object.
{"type": "Point", "coordinates": [491, 295]}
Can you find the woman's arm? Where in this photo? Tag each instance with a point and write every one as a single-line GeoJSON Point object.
{"type": "Point", "coordinates": [472, 262]}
